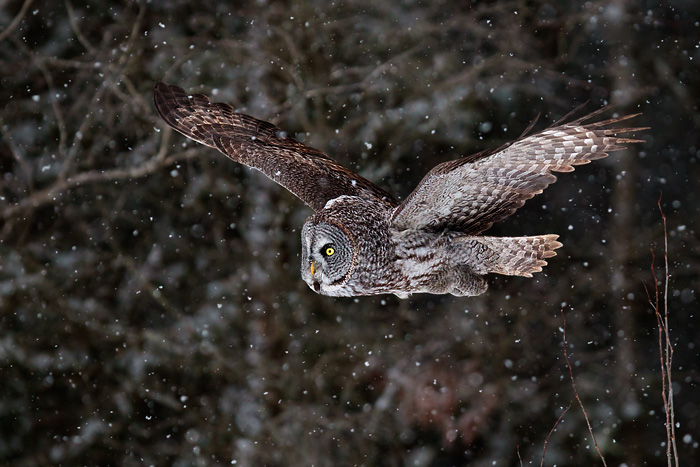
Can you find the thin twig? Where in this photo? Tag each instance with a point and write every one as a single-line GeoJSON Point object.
{"type": "Point", "coordinates": [76, 30]}
{"type": "Point", "coordinates": [573, 384]}
{"type": "Point", "coordinates": [74, 150]}
{"type": "Point", "coordinates": [544, 449]}
{"type": "Point", "coordinates": [664, 377]}
{"type": "Point", "coordinates": [136, 95]}
{"type": "Point", "coordinates": [15, 22]}
{"type": "Point", "coordinates": [517, 449]}
{"type": "Point", "coordinates": [107, 83]}
{"type": "Point", "coordinates": [669, 346]}
{"type": "Point", "coordinates": [665, 349]}
{"type": "Point", "coordinates": [25, 167]}
{"type": "Point", "coordinates": [38, 61]}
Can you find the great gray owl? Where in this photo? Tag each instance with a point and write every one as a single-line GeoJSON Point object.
{"type": "Point", "coordinates": [362, 241]}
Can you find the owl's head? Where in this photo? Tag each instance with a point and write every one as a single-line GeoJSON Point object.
{"type": "Point", "coordinates": [327, 258]}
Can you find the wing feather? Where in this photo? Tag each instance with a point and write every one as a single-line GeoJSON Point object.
{"type": "Point", "coordinates": [308, 173]}
{"type": "Point", "coordinates": [472, 193]}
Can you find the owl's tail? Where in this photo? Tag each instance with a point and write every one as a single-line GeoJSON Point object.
{"type": "Point", "coordinates": [514, 256]}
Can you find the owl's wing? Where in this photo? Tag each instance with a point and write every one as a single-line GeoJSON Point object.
{"type": "Point", "coordinates": [472, 193]}
{"type": "Point", "coordinates": [308, 173]}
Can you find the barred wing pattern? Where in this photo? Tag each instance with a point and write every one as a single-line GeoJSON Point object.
{"type": "Point", "coordinates": [471, 194]}
{"type": "Point", "coordinates": [308, 173]}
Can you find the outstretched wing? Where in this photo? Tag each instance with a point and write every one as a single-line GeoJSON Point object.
{"type": "Point", "coordinates": [309, 174]}
{"type": "Point", "coordinates": [471, 194]}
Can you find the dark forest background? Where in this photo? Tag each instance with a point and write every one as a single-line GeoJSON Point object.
{"type": "Point", "coordinates": [151, 308]}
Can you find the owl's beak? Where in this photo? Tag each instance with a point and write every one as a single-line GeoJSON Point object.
{"type": "Point", "coordinates": [313, 268]}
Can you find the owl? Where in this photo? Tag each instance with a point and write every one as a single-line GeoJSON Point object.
{"type": "Point", "coordinates": [362, 241]}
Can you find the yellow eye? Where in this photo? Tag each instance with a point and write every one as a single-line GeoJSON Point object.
{"type": "Point", "coordinates": [330, 251]}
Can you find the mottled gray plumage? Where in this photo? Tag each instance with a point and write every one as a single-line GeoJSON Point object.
{"type": "Point", "coordinates": [362, 241]}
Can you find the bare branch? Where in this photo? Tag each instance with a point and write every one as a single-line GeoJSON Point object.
{"type": "Point", "coordinates": [17, 154]}
{"type": "Point", "coordinates": [573, 385]}
{"type": "Point", "coordinates": [15, 22]}
{"type": "Point", "coordinates": [38, 61]}
{"type": "Point", "coordinates": [544, 449]}
{"type": "Point", "coordinates": [76, 30]}
{"type": "Point", "coordinates": [55, 191]}
{"type": "Point", "coordinates": [665, 349]}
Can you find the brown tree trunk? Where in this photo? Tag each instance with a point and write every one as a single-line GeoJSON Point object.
{"type": "Point", "coordinates": [623, 204]}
